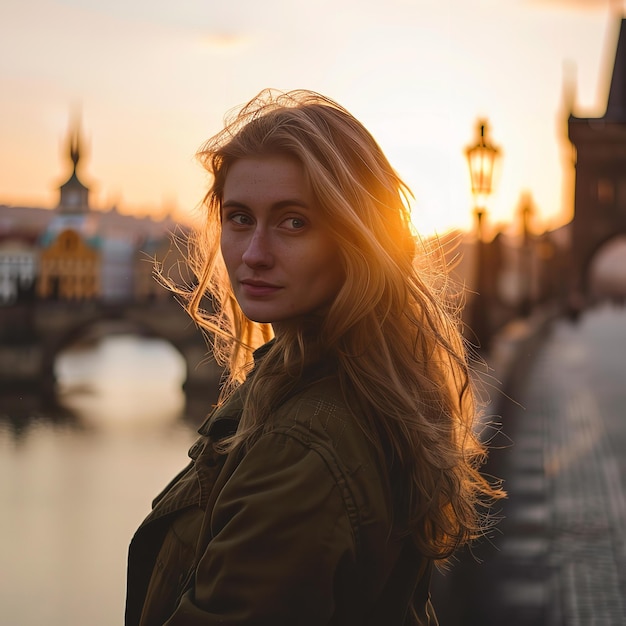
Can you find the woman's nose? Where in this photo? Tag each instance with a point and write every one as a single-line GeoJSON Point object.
{"type": "Point", "coordinates": [258, 251]}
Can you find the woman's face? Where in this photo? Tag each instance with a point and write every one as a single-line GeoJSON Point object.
{"type": "Point", "coordinates": [281, 259]}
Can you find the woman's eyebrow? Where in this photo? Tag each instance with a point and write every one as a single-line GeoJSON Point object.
{"type": "Point", "coordinates": [281, 204]}
{"type": "Point", "coordinates": [234, 204]}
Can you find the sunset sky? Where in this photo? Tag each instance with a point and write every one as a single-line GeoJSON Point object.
{"type": "Point", "coordinates": [152, 79]}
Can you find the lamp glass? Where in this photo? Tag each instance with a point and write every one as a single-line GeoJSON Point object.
{"type": "Point", "coordinates": [481, 159]}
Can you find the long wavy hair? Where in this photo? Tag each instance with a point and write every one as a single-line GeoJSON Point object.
{"type": "Point", "coordinates": [391, 331]}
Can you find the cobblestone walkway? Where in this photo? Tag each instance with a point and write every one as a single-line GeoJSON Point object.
{"type": "Point", "coordinates": [563, 552]}
{"type": "Point", "coordinates": [588, 516]}
{"type": "Point", "coordinates": [559, 558]}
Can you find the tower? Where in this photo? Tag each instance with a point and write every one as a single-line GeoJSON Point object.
{"type": "Point", "coordinates": [600, 162]}
{"type": "Point", "coordinates": [74, 195]}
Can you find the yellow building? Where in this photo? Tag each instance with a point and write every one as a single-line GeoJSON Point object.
{"type": "Point", "coordinates": [69, 269]}
{"type": "Point", "coordinates": [70, 265]}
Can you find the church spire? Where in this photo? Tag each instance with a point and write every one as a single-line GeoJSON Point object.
{"type": "Point", "coordinates": [75, 147]}
{"type": "Point", "coordinates": [74, 196]}
{"type": "Point", "coordinates": [74, 141]}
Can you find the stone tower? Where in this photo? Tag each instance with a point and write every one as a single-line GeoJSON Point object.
{"type": "Point", "coordinates": [600, 161]}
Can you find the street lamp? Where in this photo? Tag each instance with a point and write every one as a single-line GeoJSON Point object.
{"type": "Point", "coordinates": [481, 158]}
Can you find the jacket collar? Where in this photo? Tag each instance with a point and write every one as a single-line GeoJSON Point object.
{"type": "Point", "coordinates": [224, 419]}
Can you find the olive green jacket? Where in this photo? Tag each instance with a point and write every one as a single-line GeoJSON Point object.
{"type": "Point", "coordinates": [296, 530]}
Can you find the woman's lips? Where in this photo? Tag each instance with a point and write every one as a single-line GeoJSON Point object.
{"type": "Point", "coordinates": [258, 289]}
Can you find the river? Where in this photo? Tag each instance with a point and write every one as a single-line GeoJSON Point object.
{"type": "Point", "coordinates": [77, 479]}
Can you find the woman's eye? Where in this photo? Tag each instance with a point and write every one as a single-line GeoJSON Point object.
{"type": "Point", "coordinates": [241, 219]}
{"type": "Point", "coordinates": [294, 223]}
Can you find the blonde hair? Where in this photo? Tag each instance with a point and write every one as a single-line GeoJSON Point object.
{"type": "Point", "coordinates": [399, 351]}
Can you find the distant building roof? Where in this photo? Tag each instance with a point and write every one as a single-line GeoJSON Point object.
{"type": "Point", "coordinates": [85, 225]}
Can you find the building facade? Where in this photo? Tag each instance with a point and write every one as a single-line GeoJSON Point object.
{"type": "Point", "coordinates": [19, 268]}
{"type": "Point", "coordinates": [69, 269]}
{"type": "Point", "coordinates": [75, 252]}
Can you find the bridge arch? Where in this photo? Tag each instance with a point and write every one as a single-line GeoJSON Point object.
{"type": "Point", "coordinates": [604, 270]}
{"type": "Point", "coordinates": [58, 325]}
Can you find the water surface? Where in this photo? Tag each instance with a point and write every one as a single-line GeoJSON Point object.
{"type": "Point", "coordinates": [77, 479]}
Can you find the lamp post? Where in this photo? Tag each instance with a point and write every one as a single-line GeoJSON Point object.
{"type": "Point", "coordinates": [525, 268]}
{"type": "Point", "coordinates": [481, 158]}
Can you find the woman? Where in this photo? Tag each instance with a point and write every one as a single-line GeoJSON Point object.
{"type": "Point", "coordinates": [341, 461]}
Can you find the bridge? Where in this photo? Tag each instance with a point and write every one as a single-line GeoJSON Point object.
{"type": "Point", "coordinates": [33, 334]}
